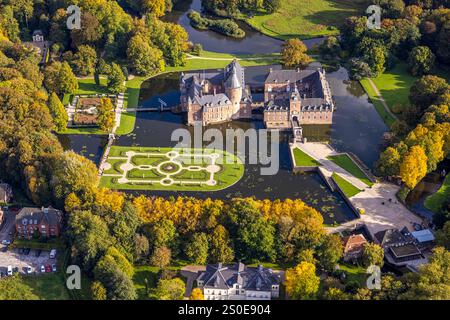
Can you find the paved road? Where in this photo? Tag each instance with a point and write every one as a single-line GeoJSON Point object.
{"type": "Point", "coordinates": [7, 226]}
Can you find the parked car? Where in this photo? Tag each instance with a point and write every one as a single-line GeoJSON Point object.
{"type": "Point", "coordinates": [42, 268]}
{"type": "Point", "coordinates": [54, 267]}
{"type": "Point", "coordinates": [38, 253]}
{"type": "Point", "coordinates": [48, 268]}
{"type": "Point", "coordinates": [6, 242]}
{"type": "Point", "coordinates": [28, 269]}
{"type": "Point", "coordinates": [9, 271]}
{"type": "Point", "coordinates": [53, 254]}
{"type": "Point", "coordinates": [16, 269]}
{"type": "Point", "coordinates": [26, 251]}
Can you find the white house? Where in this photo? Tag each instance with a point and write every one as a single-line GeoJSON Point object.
{"type": "Point", "coordinates": [238, 282]}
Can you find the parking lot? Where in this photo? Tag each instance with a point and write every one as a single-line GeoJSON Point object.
{"type": "Point", "coordinates": [20, 260]}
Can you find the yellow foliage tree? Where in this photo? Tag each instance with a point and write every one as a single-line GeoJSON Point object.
{"type": "Point", "coordinates": [294, 53]}
{"type": "Point", "coordinates": [196, 294]}
{"type": "Point", "coordinates": [302, 283]}
{"type": "Point", "coordinates": [414, 166]}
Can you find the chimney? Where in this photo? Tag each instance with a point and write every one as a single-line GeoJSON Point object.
{"type": "Point", "coordinates": [214, 91]}
{"type": "Point", "coordinates": [219, 265]}
{"type": "Point", "coordinates": [270, 70]}
{"type": "Point", "coordinates": [298, 70]}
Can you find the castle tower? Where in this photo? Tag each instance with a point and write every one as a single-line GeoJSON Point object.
{"type": "Point", "coordinates": [233, 89]}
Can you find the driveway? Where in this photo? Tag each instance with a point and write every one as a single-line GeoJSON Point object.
{"type": "Point", "coordinates": [8, 225]}
{"type": "Point", "coordinates": [190, 273]}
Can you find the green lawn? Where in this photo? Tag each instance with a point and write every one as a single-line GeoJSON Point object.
{"type": "Point", "coordinates": [304, 160]}
{"type": "Point", "coordinates": [227, 173]}
{"type": "Point", "coordinates": [394, 85]}
{"type": "Point", "coordinates": [345, 162]}
{"type": "Point", "coordinates": [354, 273]}
{"type": "Point", "coordinates": [306, 18]}
{"type": "Point", "coordinates": [48, 286]}
{"type": "Point", "coordinates": [346, 187]}
{"type": "Point", "coordinates": [437, 200]}
{"type": "Point", "coordinates": [386, 116]}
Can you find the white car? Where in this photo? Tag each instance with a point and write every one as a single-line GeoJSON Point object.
{"type": "Point", "coordinates": [42, 269]}
{"type": "Point", "coordinates": [9, 271]}
{"type": "Point", "coordinates": [28, 269]}
{"type": "Point", "coordinates": [6, 242]}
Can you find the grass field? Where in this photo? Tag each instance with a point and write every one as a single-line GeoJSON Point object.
{"type": "Point", "coordinates": [354, 273]}
{"type": "Point", "coordinates": [48, 286]}
{"type": "Point", "coordinates": [306, 18]}
{"type": "Point", "coordinates": [304, 160]}
{"type": "Point", "coordinates": [386, 116]}
{"type": "Point", "coordinates": [345, 162]}
{"type": "Point", "coordinates": [346, 187]}
{"type": "Point", "coordinates": [169, 169]}
{"type": "Point", "coordinates": [437, 200]}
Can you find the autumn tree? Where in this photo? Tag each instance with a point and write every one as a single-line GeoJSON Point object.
{"type": "Point", "coordinates": [58, 112]}
{"type": "Point", "coordinates": [161, 257]}
{"type": "Point", "coordinates": [156, 7]}
{"type": "Point", "coordinates": [106, 116]}
{"type": "Point", "coordinates": [84, 60]}
{"type": "Point", "coordinates": [373, 254]}
{"type": "Point", "coordinates": [389, 162]}
{"type": "Point", "coordinates": [427, 90]}
{"type": "Point", "coordinates": [196, 294]}
{"type": "Point", "coordinates": [413, 167]}
{"type": "Point", "coordinates": [98, 291]}
{"type": "Point", "coordinates": [294, 53]}
{"type": "Point", "coordinates": [302, 283]}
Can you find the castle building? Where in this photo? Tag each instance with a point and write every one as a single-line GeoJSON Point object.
{"type": "Point", "coordinates": [297, 97]}
{"type": "Point", "coordinates": [216, 96]}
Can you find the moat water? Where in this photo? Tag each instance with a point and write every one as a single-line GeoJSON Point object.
{"type": "Point", "coordinates": [356, 127]}
{"type": "Point", "coordinates": [254, 42]}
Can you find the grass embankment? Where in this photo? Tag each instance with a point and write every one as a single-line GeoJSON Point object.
{"type": "Point", "coordinates": [436, 201]}
{"type": "Point", "coordinates": [375, 99]}
{"type": "Point", "coordinates": [304, 160]}
{"type": "Point", "coordinates": [346, 187]}
{"type": "Point", "coordinates": [306, 19]}
{"type": "Point", "coordinates": [346, 163]}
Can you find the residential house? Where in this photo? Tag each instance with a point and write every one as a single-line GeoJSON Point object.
{"type": "Point", "coordinates": [6, 193]}
{"type": "Point", "coordinates": [238, 282]}
{"type": "Point", "coordinates": [41, 222]}
{"type": "Point", "coordinates": [353, 247]}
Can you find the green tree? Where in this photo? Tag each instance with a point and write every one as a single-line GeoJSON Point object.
{"type": "Point", "coordinates": [59, 78]}
{"type": "Point", "coordinates": [14, 288]}
{"type": "Point", "coordinates": [145, 59]}
{"type": "Point", "coordinates": [302, 283]}
{"type": "Point", "coordinates": [373, 254]}
{"type": "Point", "coordinates": [115, 78]}
{"type": "Point", "coordinates": [432, 282]}
{"type": "Point", "coordinates": [294, 53]}
{"type": "Point", "coordinates": [172, 289]}
{"type": "Point", "coordinates": [84, 61]}
{"type": "Point", "coordinates": [421, 61]}
{"type": "Point", "coordinates": [254, 235]}
{"type": "Point", "coordinates": [443, 236]}
{"type": "Point", "coordinates": [58, 112]}
{"type": "Point", "coordinates": [427, 90]}
{"type": "Point", "coordinates": [271, 6]}
{"type": "Point", "coordinates": [220, 246]}
{"type": "Point", "coordinates": [389, 162]}
{"type": "Point", "coordinates": [197, 249]}
{"type": "Point", "coordinates": [330, 251]}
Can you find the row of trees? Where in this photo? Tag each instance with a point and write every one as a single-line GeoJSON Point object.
{"type": "Point", "coordinates": [232, 8]}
